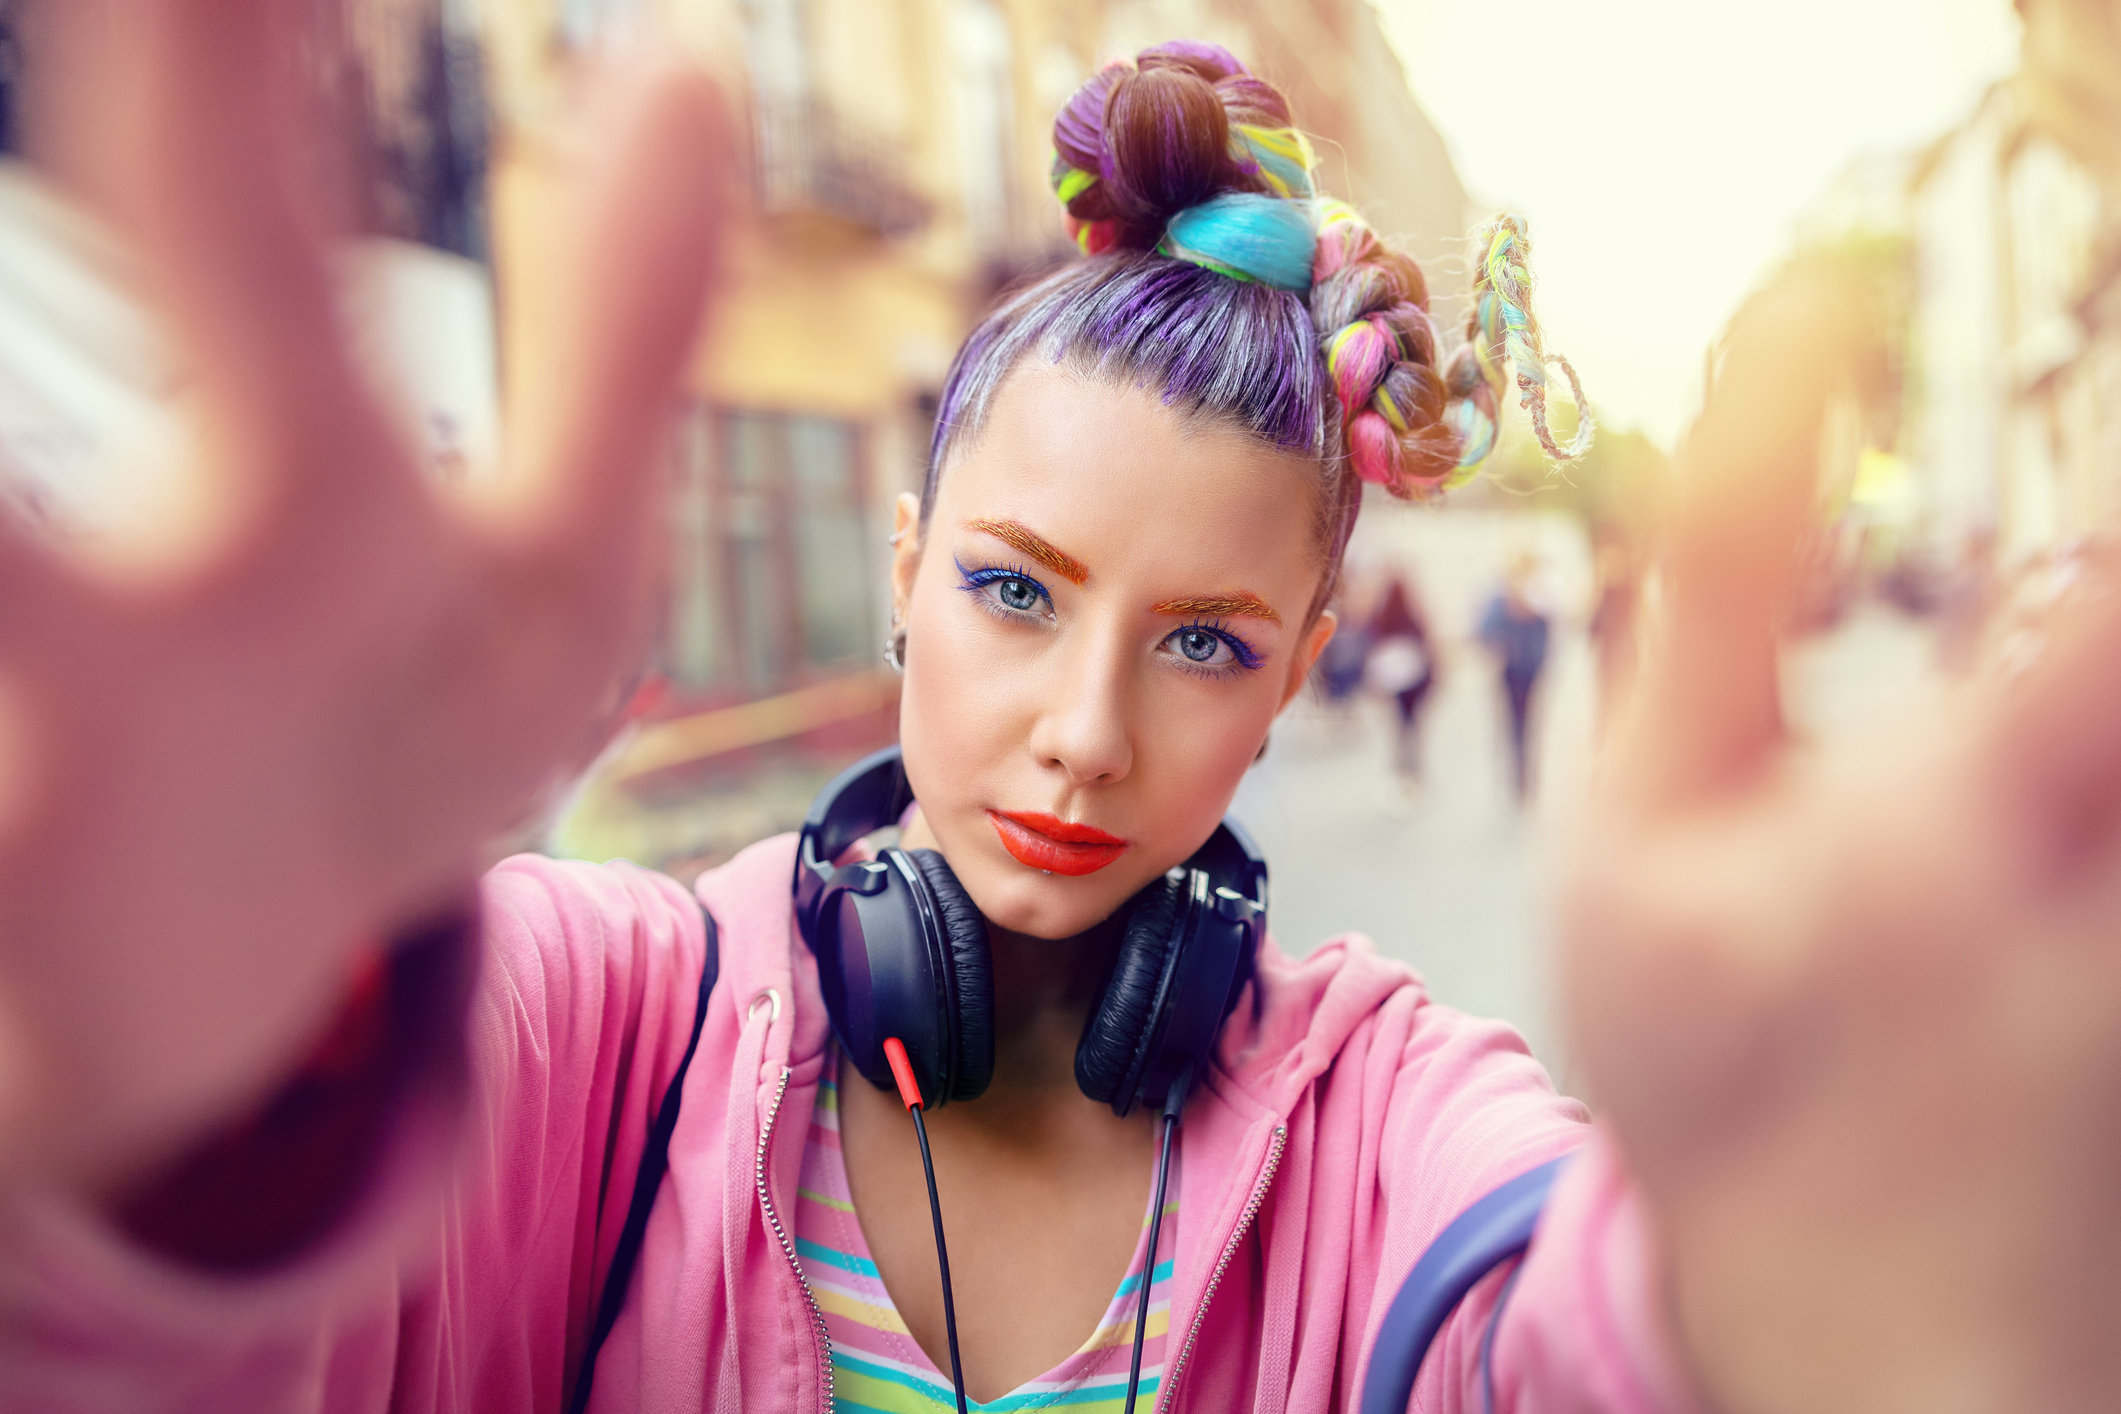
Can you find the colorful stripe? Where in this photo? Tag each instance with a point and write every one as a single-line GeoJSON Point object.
{"type": "Point", "coordinates": [1283, 155]}
{"type": "Point", "coordinates": [877, 1367]}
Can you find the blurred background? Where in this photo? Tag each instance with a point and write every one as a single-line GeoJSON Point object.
{"type": "Point", "coordinates": [1960, 158]}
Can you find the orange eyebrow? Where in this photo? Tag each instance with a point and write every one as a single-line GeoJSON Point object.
{"type": "Point", "coordinates": [1242, 604]}
{"type": "Point", "coordinates": [1024, 540]}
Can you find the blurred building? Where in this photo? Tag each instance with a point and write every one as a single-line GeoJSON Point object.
{"type": "Point", "coordinates": [2018, 236]}
{"type": "Point", "coordinates": [2009, 411]}
{"type": "Point", "coordinates": [899, 152]}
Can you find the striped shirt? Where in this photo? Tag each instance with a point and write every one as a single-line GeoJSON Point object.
{"type": "Point", "coordinates": [877, 1367]}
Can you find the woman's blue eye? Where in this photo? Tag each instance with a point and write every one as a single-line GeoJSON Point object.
{"type": "Point", "coordinates": [1006, 593]}
{"type": "Point", "coordinates": [1211, 648]}
{"type": "Point", "coordinates": [1200, 645]}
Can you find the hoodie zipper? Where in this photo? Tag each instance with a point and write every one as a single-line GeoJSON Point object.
{"type": "Point", "coordinates": [773, 1220]}
{"type": "Point", "coordinates": [1222, 1263]}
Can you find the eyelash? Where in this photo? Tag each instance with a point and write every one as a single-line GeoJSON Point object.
{"type": "Point", "coordinates": [978, 577]}
{"type": "Point", "coordinates": [1247, 659]}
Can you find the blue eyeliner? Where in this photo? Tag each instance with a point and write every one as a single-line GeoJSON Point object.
{"type": "Point", "coordinates": [976, 580]}
{"type": "Point", "coordinates": [1246, 658]}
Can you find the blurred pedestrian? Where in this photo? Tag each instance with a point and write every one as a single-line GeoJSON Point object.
{"type": "Point", "coordinates": [1401, 665]}
{"type": "Point", "coordinates": [1339, 671]}
{"type": "Point", "coordinates": [1515, 628]}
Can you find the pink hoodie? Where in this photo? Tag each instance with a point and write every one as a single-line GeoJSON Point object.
{"type": "Point", "coordinates": [1347, 1120]}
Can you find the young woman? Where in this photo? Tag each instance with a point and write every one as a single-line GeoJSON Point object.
{"type": "Point", "coordinates": [1112, 582]}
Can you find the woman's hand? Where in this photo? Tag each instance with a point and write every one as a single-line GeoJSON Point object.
{"type": "Point", "coordinates": [1856, 1019]}
{"type": "Point", "coordinates": [221, 779]}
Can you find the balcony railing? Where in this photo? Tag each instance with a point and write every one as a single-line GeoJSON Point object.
{"type": "Point", "coordinates": [812, 161]}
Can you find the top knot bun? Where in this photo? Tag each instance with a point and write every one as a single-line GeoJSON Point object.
{"type": "Point", "coordinates": [1138, 144]}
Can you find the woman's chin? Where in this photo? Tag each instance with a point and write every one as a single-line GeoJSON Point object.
{"type": "Point", "coordinates": [1050, 906]}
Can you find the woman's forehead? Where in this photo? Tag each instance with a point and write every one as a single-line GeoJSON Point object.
{"type": "Point", "coordinates": [1072, 455]}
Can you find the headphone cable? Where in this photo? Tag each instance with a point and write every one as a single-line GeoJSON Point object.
{"type": "Point", "coordinates": [942, 1260]}
{"type": "Point", "coordinates": [909, 1092]}
{"type": "Point", "coordinates": [1156, 1227]}
{"type": "Point", "coordinates": [1174, 1101]}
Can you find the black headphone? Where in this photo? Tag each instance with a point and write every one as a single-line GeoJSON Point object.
{"type": "Point", "coordinates": [902, 952]}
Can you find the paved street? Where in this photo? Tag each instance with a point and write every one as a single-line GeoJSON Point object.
{"type": "Point", "coordinates": [1453, 878]}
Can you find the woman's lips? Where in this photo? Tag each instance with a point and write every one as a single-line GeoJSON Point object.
{"type": "Point", "coordinates": [1054, 845]}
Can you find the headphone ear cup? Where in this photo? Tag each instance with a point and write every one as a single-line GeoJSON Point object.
{"type": "Point", "coordinates": [971, 962]}
{"type": "Point", "coordinates": [1117, 1034]}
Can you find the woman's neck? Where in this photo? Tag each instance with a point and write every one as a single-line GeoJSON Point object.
{"type": "Point", "coordinates": [1043, 990]}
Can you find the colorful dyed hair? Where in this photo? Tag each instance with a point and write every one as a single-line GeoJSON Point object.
{"type": "Point", "coordinates": [1216, 274]}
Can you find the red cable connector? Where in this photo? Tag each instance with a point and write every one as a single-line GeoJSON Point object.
{"type": "Point", "coordinates": [909, 1089]}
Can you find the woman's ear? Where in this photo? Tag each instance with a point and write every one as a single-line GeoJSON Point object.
{"type": "Point", "coordinates": [1307, 653]}
{"type": "Point", "coordinates": [905, 552]}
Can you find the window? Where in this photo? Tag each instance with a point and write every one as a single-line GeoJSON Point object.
{"type": "Point", "coordinates": [772, 576]}
{"type": "Point", "coordinates": [832, 568]}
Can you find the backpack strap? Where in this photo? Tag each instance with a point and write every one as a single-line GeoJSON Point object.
{"type": "Point", "coordinates": [1483, 1237]}
{"type": "Point", "coordinates": [655, 1162]}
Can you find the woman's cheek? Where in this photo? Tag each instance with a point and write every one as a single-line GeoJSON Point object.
{"type": "Point", "coordinates": [965, 708]}
{"type": "Point", "coordinates": [1198, 744]}
{"type": "Point", "coordinates": [1190, 760]}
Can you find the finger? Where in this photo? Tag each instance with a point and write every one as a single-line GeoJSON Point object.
{"type": "Point", "coordinates": [1708, 713]}
{"type": "Point", "coordinates": [2055, 736]}
{"type": "Point", "coordinates": [184, 120]}
{"type": "Point", "coordinates": [596, 398]}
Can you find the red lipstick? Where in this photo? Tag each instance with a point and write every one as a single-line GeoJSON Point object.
{"type": "Point", "coordinates": [1054, 845]}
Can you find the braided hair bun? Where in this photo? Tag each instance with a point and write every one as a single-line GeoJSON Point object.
{"type": "Point", "coordinates": [1140, 143]}
{"type": "Point", "coordinates": [1144, 149]}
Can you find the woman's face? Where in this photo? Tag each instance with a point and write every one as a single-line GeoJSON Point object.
{"type": "Point", "coordinates": [1102, 621]}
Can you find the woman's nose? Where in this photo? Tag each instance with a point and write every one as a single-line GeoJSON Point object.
{"type": "Point", "coordinates": [1084, 726]}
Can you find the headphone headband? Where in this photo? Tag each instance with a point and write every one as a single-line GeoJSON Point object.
{"type": "Point", "coordinates": [860, 800]}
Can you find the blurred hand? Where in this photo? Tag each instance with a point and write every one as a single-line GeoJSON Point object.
{"type": "Point", "coordinates": [222, 778]}
{"type": "Point", "coordinates": [1856, 1019]}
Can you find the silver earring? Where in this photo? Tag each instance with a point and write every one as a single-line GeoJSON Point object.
{"type": "Point", "coordinates": [895, 646]}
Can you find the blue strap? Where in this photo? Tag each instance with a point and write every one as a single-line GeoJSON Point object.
{"type": "Point", "coordinates": [655, 1162]}
{"type": "Point", "coordinates": [1480, 1239]}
